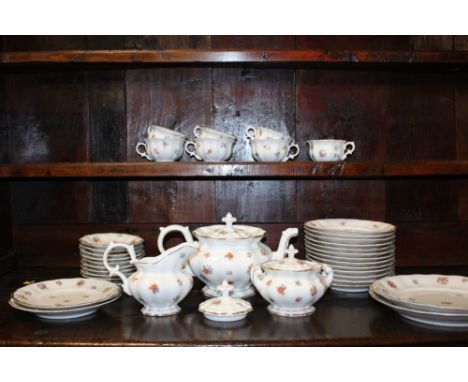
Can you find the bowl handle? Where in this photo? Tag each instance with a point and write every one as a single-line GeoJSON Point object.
{"type": "Point", "coordinates": [326, 274]}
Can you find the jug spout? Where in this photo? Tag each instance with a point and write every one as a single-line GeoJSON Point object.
{"type": "Point", "coordinates": [283, 244]}
{"type": "Point", "coordinates": [174, 259]}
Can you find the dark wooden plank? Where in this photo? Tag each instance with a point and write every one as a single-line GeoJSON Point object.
{"type": "Point", "coordinates": [4, 130]}
{"type": "Point", "coordinates": [257, 201]}
{"type": "Point", "coordinates": [386, 43]}
{"type": "Point", "coordinates": [6, 238]}
{"type": "Point", "coordinates": [340, 105]}
{"type": "Point", "coordinates": [167, 42]}
{"type": "Point", "coordinates": [238, 56]}
{"type": "Point", "coordinates": [38, 43]}
{"type": "Point", "coordinates": [252, 42]}
{"type": "Point", "coordinates": [178, 99]}
{"type": "Point", "coordinates": [357, 199]}
{"type": "Point", "coordinates": [260, 170]}
{"type": "Point", "coordinates": [460, 42]}
{"type": "Point", "coordinates": [108, 142]}
{"type": "Point", "coordinates": [461, 120]}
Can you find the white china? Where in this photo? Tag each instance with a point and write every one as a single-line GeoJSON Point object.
{"type": "Point", "coordinates": [454, 320]}
{"type": "Point", "coordinates": [258, 132]}
{"type": "Point", "coordinates": [346, 264]}
{"type": "Point", "coordinates": [435, 293]}
{"type": "Point", "coordinates": [227, 252]}
{"type": "Point", "coordinates": [350, 241]}
{"type": "Point", "coordinates": [96, 240]}
{"type": "Point", "coordinates": [161, 150]}
{"type": "Point", "coordinates": [351, 226]}
{"type": "Point", "coordinates": [206, 132]}
{"type": "Point", "coordinates": [330, 150]}
{"type": "Point", "coordinates": [273, 150]}
{"type": "Point", "coordinates": [225, 308]}
{"type": "Point", "coordinates": [333, 244]}
{"type": "Point", "coordinates": [291, 286]}
{"type": "Point", "coordinates": [355, 255]}
{"type": "Point", "coordinates": [210, 149]}
{"type": "Point", "coordinates": [349, 289]}
{"type": "Point", "coordinates": [159, 132]}
{"type": "Point", "coordinates": [160, 282]}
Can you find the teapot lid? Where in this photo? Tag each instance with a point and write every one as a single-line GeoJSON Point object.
{"type": "Point", "coordinates": [228, 231]}
{"type": "Point", "coordinates": [291, 264]}
{"type": "Point", "coordinates": [225, 305]}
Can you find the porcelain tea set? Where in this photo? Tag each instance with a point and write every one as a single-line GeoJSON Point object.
{"type": "Point", "coordinates": [231, 260]}
{"type": "Point", "coordinates": [210, 145]}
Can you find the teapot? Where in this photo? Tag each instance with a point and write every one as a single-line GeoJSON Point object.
{"type": "Point", "coordinates": [290, 285]}
{"type": "Point", "coordinates": [227, 252]}
{"type": "Point", "coordinates": [160, 282]}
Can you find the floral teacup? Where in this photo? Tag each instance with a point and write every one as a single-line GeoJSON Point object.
{"type": "Point", "coordinates": [330, 150]}
{"type": "Point", "coordinates": [264, 133]}
{"type": "Point", "coordinates": [206, 132]}
{"type": "Point", "coordinates": [161, 150]}
{"type": "Point", "coordinates": [155, 131]}
{"type": "Point", "coordinates": [210, 150]}
{"type": "Point", "coordinates": [273, 150]}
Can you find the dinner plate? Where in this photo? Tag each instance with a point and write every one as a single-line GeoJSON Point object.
{"type": "Point", "coordinates": [363, 280]}
{"type": "Point", "coordinates": [350, 255]}
{"type": "Point", "coordinates": [329, 245]}
{"type": "Point", "coordinates": [351, 225]}
{"type": "Point", "coordinates": [113, 253]}
{"type": "Point", "coordinates": [104, 239]}
{"type": "Point", "coordinates": [435, 293]}
{"type": "Point", "coordinates": [62, 314]}
{"type": "Point", "coordinates": [455, 320]}
{"type": "Point", "coordinates": [357, 241]}
{"type": "Point", "coordinates": [350, 263]}
{"type": "Point", "coordinates": [65, 293]}
{"type": "Point", "coordinates": [346, 289]}
{"type": "Point", "coordinates": [348, 235]}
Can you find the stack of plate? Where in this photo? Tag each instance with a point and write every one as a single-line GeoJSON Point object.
{"type": "Point", "coordinates": [65, 298]}
{"type": "Point", "coordinates": [359, 251]}
{"type": "Point", "coordinates": [429, 299]}
{"type": "Point", "coordinates": [92, 248]}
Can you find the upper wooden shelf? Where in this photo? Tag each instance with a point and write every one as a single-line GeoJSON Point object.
{"type": "Point", "coordinates": [236, 170]}
{"type": "Point", "coordinates": [238, 56]}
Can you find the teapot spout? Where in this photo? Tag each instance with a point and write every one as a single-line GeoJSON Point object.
{"type": "Point", "coordinates": [283, 244]}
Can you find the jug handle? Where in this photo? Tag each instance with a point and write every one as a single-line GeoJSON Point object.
{"type": "Point", "coordinates": [326, 274]}
{"type": "Point", "coordinates": [115, 271]}
{"type": "Point", "coordinates": [174, 227]}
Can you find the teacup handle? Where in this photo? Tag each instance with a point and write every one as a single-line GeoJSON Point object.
{"type": "Point", "coordinates": [326, 274]}
{"type": "Point", "coordinates": [349, 151]}
{"type": "Point", "coordinates": [196, 131]}
{"type": "Point", "coordinates": [250, 134]}
{"type": "Point", "coordinates": [115, 271]}
{"type": "Point", "coordinates": [143, 154]}
{"type": "Point", "coordinates": [194, 152]}
{"type": "Point", "coordinates": [292, 156]}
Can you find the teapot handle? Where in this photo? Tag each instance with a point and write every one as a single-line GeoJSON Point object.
{"type": "Point", "coordinates": [326, 274]}
{"type": "Point", "coordinates": [115, 271]}
{"type": "Point", "coordinates": [175, 227]}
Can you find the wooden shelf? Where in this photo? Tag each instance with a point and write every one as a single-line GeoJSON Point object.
{"type": "Point", "coordinates": [231, 56]}
{"type": "Point", "coordinates": [236, 170]}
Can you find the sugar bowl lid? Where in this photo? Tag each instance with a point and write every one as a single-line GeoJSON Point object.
{"type": "Point", "coordinates": [291, 264]}
{"type": "Point", "coordinates": [225, 307]}
{"type": "Point", "coordinates": [228, 231]}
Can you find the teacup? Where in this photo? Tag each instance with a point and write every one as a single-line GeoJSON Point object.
{"type": "Point", "coordinates": [211, 150]}
{"type": "Point", "coordinates": [206, 132]}
{"type": "Point", "coordinates": [330, 150]}
{"type": "Point", "coordinates": [273, 150]}
{"type": "Point", "coordinates": [161, 150]}
{"type": "Point", "coordinates": [264, 133]}
{"type": "Point", "coordinates": [159, 132]}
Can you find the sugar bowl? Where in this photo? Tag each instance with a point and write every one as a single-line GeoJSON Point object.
{"type": "Point", "coordinates": [290, 285]}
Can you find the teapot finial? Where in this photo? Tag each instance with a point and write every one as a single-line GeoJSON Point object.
{"type": "Point", "coordinates": [229, 219]}
{"type": "Point", "coordinates": [225, 288]}
{"type": "Point", "coordinates": [291, 251]}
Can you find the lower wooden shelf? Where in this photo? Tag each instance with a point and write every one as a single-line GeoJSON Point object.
{"type": "Point", "coordinates": [309, 169]}
{"type": "Point", "coordinates": [340, 320]}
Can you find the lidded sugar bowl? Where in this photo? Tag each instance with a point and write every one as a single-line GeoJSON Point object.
{"type": "Point", "coordinates": [290, 285]}
{"type": "Point", "coordinates": [227, 252]}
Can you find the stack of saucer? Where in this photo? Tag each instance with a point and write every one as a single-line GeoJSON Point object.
{"type": "Point", "coordinates": [92, 249]}
{"type": "Point", "coordinates": [359, 251]}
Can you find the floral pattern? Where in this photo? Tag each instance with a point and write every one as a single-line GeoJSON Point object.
{"type": "Point", "coordinates": [443, 280]}
{"type": "Point", "coordinates": [281, 289]}
{"type": "Point", "coordinates": [313, 290]}
{"type": "Point", "coordinates": [229, 256]}
{"type": "Point", "coordinates": [298, 299]}
{"type": "Point", "coordinates": [268, 283]}
{"type": "Point", "coordinates": [59, 282]}
{"type": "Point", "coordinates": [81, 283]}
{"type": "Point", "coordinates": [391, 284]}
{"type": "Point", "coordinates": [42, 286]}
{"type": "Point", "coordinates": [298, 283]}
{"type": "Point", "coordinates": [323, 153]}
{"type": "Point", "coordinates": [154, 288]}
{"type": "Point", "coordinates": [207, 269]}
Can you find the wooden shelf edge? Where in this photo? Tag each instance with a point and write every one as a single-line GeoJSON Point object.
{"type": "Point", "coordinates": [231, 56]}
{"type": "Point", "coordinates": [236, 170]}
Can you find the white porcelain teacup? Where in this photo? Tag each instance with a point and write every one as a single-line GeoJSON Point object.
{"type": "Point", "coordinates": [257, 132]}
{"type": "Point", "coordinates": [206, 132]}
{"type": "Point", "coordinates": [330, 150]}
{"type": "Point", "coordinates": [210, 149]}
{"type": "Point", "coordinates": [159, 132]}
{"type": "Point", "coordinates": [161, 150]}
{"type": "Point", "coordinates": [273, 150]}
